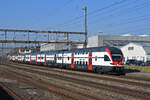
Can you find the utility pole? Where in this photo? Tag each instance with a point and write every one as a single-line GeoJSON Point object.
{"type": "Point", "coordinates": [85, 26]}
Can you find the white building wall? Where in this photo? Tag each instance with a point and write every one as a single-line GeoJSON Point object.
{"type": "Point", "coordinates": [93, 41]}
{"type": "Point", "coordinates": [134, 51]}
{"type": "Point", "coordinates": [51, 47]}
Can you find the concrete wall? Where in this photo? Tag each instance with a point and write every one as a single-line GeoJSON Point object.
{"type": "Point", "coordinates": [50, 47]}
{"type": "Point", "coordinates": [93, 41]}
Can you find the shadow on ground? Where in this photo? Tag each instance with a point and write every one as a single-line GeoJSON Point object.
{"type": "Point", "coordinates": [131, 70]}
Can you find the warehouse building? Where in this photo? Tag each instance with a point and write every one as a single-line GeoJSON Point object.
{"type": "Point", "coordinates": [133, 47]}
{"type": "Point", "coordinates": [117, 40]}
{"type": "Point", "coordinates": [53, 46]}
{"type": "Point", "coordinates": [59, 46]}
{"type": "Point", "coordinates": [136, 51]}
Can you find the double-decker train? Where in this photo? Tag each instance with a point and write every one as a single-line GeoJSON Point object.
{"type": "Point", "coordinates": [99, 59]}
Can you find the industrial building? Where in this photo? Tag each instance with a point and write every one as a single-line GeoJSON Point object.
{"type": "Point", "coordinates": [136, 51]}
{"type": "Point", "coordinates": [117, 40]}
{"type": "Point", "coordinates": [133, 47]}
{"type": "Point", "coordinates": [59, 46]}
{"type": "Point", "coordinates": [53, 46]}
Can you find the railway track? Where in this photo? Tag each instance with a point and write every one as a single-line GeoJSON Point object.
{"type": "Point", "coordinates": [121, 77]}
{"type": "Point", "coordinates": [58, 89]}
{"type": "Point", "coordinates": [126, 91]}
{"type": "Point", "coordinates": [9, 91]}
{"type": "Point", "coordinates": [98, 77]}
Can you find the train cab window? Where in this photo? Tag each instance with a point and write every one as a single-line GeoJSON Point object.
{"type": "Point", "coordinates": [106, 58]}
{"type": "Point", "coordinates": [68, 58]}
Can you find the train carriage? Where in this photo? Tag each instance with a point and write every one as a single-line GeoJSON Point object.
{"type": "Point", "coordinates": [49, 59]}
{"type": "Point", "coordinates": [33, 59]}
{"type": "Point", "coordinates": [100, 59]}
{"type": "Point", "coordinates": [27, 59]}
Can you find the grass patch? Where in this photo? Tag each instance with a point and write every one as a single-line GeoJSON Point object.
{"type": "Point", "coordinates": [139, 68]}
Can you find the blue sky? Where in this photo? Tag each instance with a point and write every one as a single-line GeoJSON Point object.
{"type": "Point", "coordinates": [108, 16]}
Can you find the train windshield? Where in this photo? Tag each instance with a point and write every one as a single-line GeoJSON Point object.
{"type": "Point", "coordinates": [116, 57]}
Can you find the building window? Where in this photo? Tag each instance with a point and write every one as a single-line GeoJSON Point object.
{"type": "Point", "coordinates": [130, 48]}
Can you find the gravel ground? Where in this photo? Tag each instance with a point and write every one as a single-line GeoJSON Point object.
{"type": "Point", "coordinates": [101, 93]}
{"type": "Point", "coordinates": [33, 93]}
{"type": "Point", "coordinates": [106, 82]}
{"type": "Point", "coordinates": [139, 74]}
{"type": "Point", "coordinates": [28, 92]}
{"type": "Point", "coordinates": [4, 95]}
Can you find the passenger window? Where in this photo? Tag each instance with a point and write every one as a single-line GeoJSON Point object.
{"type": "Point", "coordinates": [80, 62]}
{"type": "Point", "coordinates": [106, 58]}
{"type": "Point", "coordinates": [68, 58]}
{"type": "Point", "coordinates": [95, 58]}
{"type": "Point", "coordinates": [86, 63]}
{"type": "Point", "coordinates": [83, 62]}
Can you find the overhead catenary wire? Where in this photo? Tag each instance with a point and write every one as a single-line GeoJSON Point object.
{"type": "Point", "coordinates": [90, 13]}
{"type": "Point", "coordinates": [130, 20]}
{"type": "Point", "coordinates": [100, 18]}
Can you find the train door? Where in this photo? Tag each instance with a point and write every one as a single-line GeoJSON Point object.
{"type": "Point", "coordinates": [36, 60]}
{"type": "Point", "coordinates": [55, 60]}
{"type": "Point", "coordinates": [72, 60]}
{"type": "Point", "coordinates": [90, 61]}
{"type": "Point", "coordinates": [45, 61]}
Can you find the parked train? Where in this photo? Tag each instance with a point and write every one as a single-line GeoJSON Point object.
{"type": "Point", "coordinates": [100, 59]}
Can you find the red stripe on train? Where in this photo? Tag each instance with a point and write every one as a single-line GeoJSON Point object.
{"type": "Point", "coordinates": [45, 61]}
{"type": "Point", "coordinates": [90, 61]}
{"type": "Point", "coordinates": [36, 59]}
{"type": "Point", "coordinates": [72, 61]}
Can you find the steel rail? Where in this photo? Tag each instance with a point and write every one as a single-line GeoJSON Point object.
{"type": "Point", "coordinates": [9, 91]}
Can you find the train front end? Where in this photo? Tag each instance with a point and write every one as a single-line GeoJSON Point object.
{"type": "Point", "coordinates": [116, 57]}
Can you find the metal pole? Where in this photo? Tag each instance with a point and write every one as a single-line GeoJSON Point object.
{"type": "Point", "coordinates": [14, 36]}
{"type": "Point", "coordinates": [28, 36]}
{"type": "Point", "coordinates": [5, 35]}
{"type": "Point", "coordinates": [85, 26]}
{"type": "Point", "coordinates": [48, 36]}
{"type": "Point", "coordinates": [5, 51]}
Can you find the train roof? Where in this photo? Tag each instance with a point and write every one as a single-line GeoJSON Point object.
{"type": "Point", "coordinates": [82, 50]}
{"type": "Point", "coordinates": [95, 49]}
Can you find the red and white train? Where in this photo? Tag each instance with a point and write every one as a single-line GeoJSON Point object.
{"type": "Point", "coordinates": [100, 59]}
